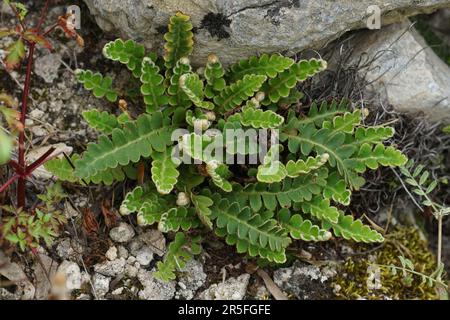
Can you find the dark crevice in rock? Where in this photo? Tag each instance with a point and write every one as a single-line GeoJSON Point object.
{"type": "Point", "coordinates": [216, 24]}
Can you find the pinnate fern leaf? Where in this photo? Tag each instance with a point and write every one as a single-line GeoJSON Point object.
{"type": "Point", "coordinates": [137, 139]}
{"type": "Point", "coordinates": [101, 121]}
{"type": "Point", "coordinates": [258, 118]}
{"type": "Point", "coordinates": [164, 171]}
{"type": "Point", "coordinates": [302, 229]}
{"type": "Point", "coordinates": [280, 86]}
{"type": "Point", "coordinates": [152, 88]}
{"type": "Point", "coordinates": [351, 229]}
{"type": "Point", "coordinates": [181, 251]}
{"type": "Point", "coordinates": [203, 206]}
{"type": "Point", "coordinates": [214, 74]}
{"type": "Point", "coordinates": [63, 170]}
{"type": "Point", "coordinates": [99, 85]}
{"type": "Point", "coordinates": [251, 231]}
{"type": "Point", "coordinates": [283, 194]}
{"type": "Point", "coordinates": [178, 218]}
{"type": "Point", "coordinates": [268, 65]}
{"type": "Point", "coordinates": [299, 167]}
{"type": "Point", "coordinates": [192, 86]}
{"type": "Point", "coordinates": [127, 52]}
{"type": "Point", "coordinates": [179, 40]}
{"type": "Point", "coordinates": [236, 93]}
{"type": "Point", "coordinates": [177, 97]}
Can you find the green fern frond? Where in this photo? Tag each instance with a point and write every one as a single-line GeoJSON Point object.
{"type": "Point", "coordinates": [321, 209]}
{"type": "Point", "coordinates": [351, 229]}
{"type": "Point", "coordinates": [252, 231]}
{"type": "Point", "coordinates": [178, 218]}
{"type": "Point", "coordinates": [192, 86]}
{"type": "Point", "coordinates": [299, 167]}
{"type": "Point", "coordinates": [137, 139]}
{"type": "Point", "coordinates": [372, 157]}
{"type": "Point", "coordinates": [272, 170]}
{"type": "Point", "coordinates": [179, 40]}
{"type": "Point", "coordinates": [127, 52]}
{"type": "Point", "coordinates": [214, 73]}
{"type": "Point", "coordinates": [100, 86]}
{"type": "Point", "coordinates": [267, 65]}
{"type": "Point", "coordinates": [319, 114]}
{"type": "Point", "coordinates": [258, 118]}
{"type": "Point", "coordinates": [203, 206]}
{"type": "Point", "coordinates": [63, 170]}
{"type": "Point", "coordinates": [284, 194]}
{"type": "Point", "coordinates": [236, 93]}
{"type": "Point", "coordinates": [164, 171]}
{"type": "Point", "coordinates": [373, 134]}
{"type": "Point", "coordinates": [218, 173]}
{"type": "Point", "coordinates": [280, 86]}
{"type": "Point", "coordinates": [177, 97]}
{"type": "Point", "coordinates": [302, 229]}
{"type": "Point", "coordinates": [152, 88]}
{"type": "Point", "coordinates": [336, 189]}
{"type": "Point", "coordinates": [103, 122]}
{"type": "Point", "coordinates": [181, 250]}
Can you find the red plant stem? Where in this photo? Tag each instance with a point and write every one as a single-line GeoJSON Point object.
{"type": "Point", "coordinates": [43, 15]}
{"type": "Point", "coordinates": [50, 29]}
{"type": "Point", "coordinates": [16, 166]}
{"type": "Point", "coordinates": [23, 117]}
{"type": "Point", "coordinates": [8, 183]}
{"type": "Point", "coordinates": [29, 170]}
{"type": "Point", "coordinates": [14, 10]}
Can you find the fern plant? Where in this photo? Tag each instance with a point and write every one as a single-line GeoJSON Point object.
{"type": "Point", "coordinates": [295, 191]}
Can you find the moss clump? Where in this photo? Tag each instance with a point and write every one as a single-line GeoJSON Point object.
{"type": "Point", "coordinates": [353, 281]}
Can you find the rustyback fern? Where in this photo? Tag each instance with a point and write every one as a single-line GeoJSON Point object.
{"type": "Point", "coordinates": [270, 193]}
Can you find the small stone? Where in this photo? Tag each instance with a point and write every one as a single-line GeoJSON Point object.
{"type": "Point", "coordinates": [118, 291]}
{"type": "Point", "coordinates": [232, 289]}
{"type": "Point", "coordinates": [71, 272]}
{"type": "Point", "coordinates": [37, 114]}
{"type": "Point", "coordinates": [131, 271]}
{"type": "Point", "coordinates": [155, 289]}
{"type": "Point", "coordinates": [111, 254]}
{"type": "Point", "coordinates": [110, 268]}
{"type": "Point", "coordinates": [122, 233]}
{"type": "Point", "coordinates": [69, 249]}
{"type": "Point", "coordinates": [144, 256]}
{"type": "Point", "coordinates": [190, 280]}
{"type": "Point", "coordinates": [69, 211]}
{"type": "Point", "coordinates": [39, 131]}
{"type": "Point", "coordinates": [131, 260]}
{"type": "Point", "coordinates": [122, 252]}
{"type": "Point", "coordinates": [47, 66]}
{"type": "Point", "coordinates": [305, 281]}
{"type": "Point", "coordinates": [101, 284]}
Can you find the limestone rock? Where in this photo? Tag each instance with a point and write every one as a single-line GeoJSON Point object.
{"type": "Point", "coordinates": [233, 28]}
{"type": "Point", "coordinates": [122, 233]}
{"type": "Point", "coordinates": [232, 289]}
{"type": "Point", "coordinates": [406, 74]}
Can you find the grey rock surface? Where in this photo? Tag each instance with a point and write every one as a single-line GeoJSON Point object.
{"type": "Point", "coordinates": [231, 289]}
{"type": "Point", "coordinates": [190, 280]}
{"type": "Point", "coordinates": [72, 274]}
{"type": "Point", "coordinates": [111, 268]}
{"type": "Point", "coordinates": [233, 28]}
{"type": "Point", "coordinates": [403, 71]}
{"type": "Point", "coordinates": [122, 233]}
{"type": "Point", "coordinates": [154, 289]}
{"type": "Point", "coordinates": [305, 281]}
